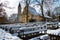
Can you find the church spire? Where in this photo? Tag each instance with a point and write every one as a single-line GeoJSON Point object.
{"type": "Point", "coordinates": [19, 5]}
{"type": "Point", "coordinates": [19, 8]}
{"type": "Point", "coordinates": [19, 12]}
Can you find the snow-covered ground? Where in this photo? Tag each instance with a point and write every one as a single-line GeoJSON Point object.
{"type": "Point", "coordinates": [7, 36]}
{"type": "Point", "coordinates": [17, 26]}
{"type": "Point", "coordinates": [53, 32]}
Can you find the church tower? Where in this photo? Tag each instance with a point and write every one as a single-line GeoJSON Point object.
{"type": "Point", "coordinates": [19, 12]}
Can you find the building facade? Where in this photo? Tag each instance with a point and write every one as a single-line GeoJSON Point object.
{"type": "Point", "coordinates": [24, 17]}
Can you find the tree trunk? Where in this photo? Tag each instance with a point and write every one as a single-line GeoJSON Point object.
{"type": "Point", "coordinates": [27, 11]}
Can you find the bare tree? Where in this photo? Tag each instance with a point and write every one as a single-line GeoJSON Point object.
{"type": "Point", "coordinates": [27, 5]}
{"type": "Point", "coordinates": [2, 14]}
{"type": "Point", "coordinates": [48, 3]}
{"type": "Point", "coordinates": [27, 11]}
{"type": "Point", "coordinates": [5, 4]}
{"type": "Point", "coordinates": [40, 4]}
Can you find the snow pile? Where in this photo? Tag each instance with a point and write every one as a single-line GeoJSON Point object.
{"type": "Point", "coordinates": [7, 36]}
{"type": "Point", "coordinates": [36, 38]}
{"type": "Point", "coordinates": [59, 24]}
{"type": "Point", "coordinates": [55, 32]}
{"type": "Point", "coordinates": [43, 37]}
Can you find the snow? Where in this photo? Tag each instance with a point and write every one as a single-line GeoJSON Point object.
{"type": "Point", "coordinates": [59, 24]}
{"type": "Point", "coordinates": [15, 34]}
{"type": "Point", "coordinates": [33, 11]}
{"type": "Point", "coordinates": [54, 32]}
{"type": "Point", "coordinates": [7, 36]}
{"type": "Point", "coordinates": [47, 16]}
{"type": "Point", "coordinates": [34, 39]}
{"type": "Point", "coordinates": [43, 37]}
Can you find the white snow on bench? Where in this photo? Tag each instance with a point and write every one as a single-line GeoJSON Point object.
{"type": "Point", "coordinates": [54, 32]}
{"type": "Point", "coordinates": [7, 36]}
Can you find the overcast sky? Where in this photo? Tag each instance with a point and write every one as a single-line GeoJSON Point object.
{"type": "Point", "coordinates": [11, 3]}
{"type": "Point", "coordinates": [14, 4]}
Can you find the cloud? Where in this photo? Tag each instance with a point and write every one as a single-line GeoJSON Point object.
{"type": "Point", "coordinates": [11, 3]}
{"type": "Point", "coordinates": [14, 3]}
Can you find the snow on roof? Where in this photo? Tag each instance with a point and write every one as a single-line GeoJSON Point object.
{"type": "Point", "coordinates": [7, 36]}
{"type": "Point", "coordinates": [33, 11]}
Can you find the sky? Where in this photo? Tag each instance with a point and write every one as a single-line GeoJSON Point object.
{"type": "Point", "coordinates": [11, 3]}
{"type": "Point", "coordinates": [14, 4]}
